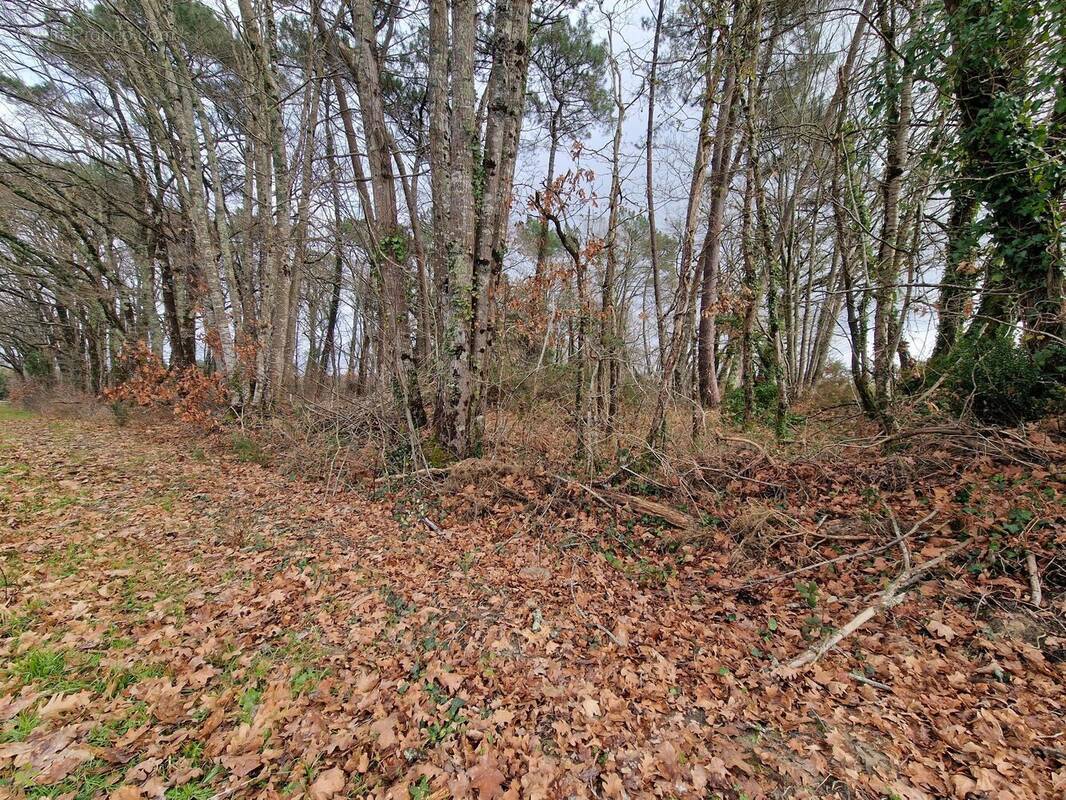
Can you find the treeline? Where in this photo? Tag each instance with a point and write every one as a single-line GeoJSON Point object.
{"type": "Point", "coordinates": [320, 198]}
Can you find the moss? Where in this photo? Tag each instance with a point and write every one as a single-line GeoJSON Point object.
{"type": "Point", "coordinates": [436, 454]}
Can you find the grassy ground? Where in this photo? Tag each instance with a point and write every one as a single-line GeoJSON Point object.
{"type": "Point", "coordinates": [183, 623]}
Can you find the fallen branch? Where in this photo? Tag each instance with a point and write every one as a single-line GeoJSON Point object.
{"type": "Point", "coordinates": [1036, 596]}
{"type": "Point", "coordinates": [858, 676]}
{"type": "Point", "coordinates": [641, 505]}
{"type": "Point", "coordinates": [433, 526]}
{"type": "Point", "coordinates": [470, 468]}
{"type": "Point", "coordinates": [904, 548]}
{"type": "Point", "coordinates": [900, 539]}
{"type": "Point", "coordinates": [893, 595]}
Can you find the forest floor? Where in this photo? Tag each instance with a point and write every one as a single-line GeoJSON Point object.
{"type": "Point", "coordinates": [183, 623]}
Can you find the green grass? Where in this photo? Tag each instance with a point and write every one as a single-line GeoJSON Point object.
{"type": "Point", "coordinates": [9, 413]}
{"type": "Point", "coordinates": [249, 702]}
{"type": "Point", "coordinates": [248, 450]}
{"type": "Point", "coordinates": [11, 625]}
{"type": "Point", "coordinates": [106, 732]}
{"type": "Point", "coordinates": [21, 727]}
{"type": "Point", "coordinates": [59, 671]}
{"type": "Point", "coordinates": [40, 664]}
{"type": "Point", "coordinates": [195, 790]}
{"type": "Point", "coordinates": [93, 779]}
{"type": "Point", "coordinates": [126, 677]}
{"type": "Point", "coordinates": [307, 680]}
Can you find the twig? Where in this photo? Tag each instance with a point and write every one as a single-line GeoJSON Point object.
{"type": "Point", "coordinates": [415, 473]}
{"type": "Point", "coordinates": [1036, 596]}
{"type": "Point", "coordinates": [846, 557]}
{"type": "Point", "coordinates": [893, 595]}
{"type": "Point", "coordinates": [612, 498]}
{"type": "Point", "coordinates": [905, 549]}
{"type": "Point", "coordinates": [870, 681]}
{"type": "Point", "coordinates": [588, 617]}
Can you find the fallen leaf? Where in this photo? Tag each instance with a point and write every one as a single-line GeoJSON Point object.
{"type": "Point", "coordinates": [487, 779]}
{"type": "Point", "coordinates": [62, 703]}
{"type": "Point", "coordinates": [62, 764]}
{"type": "Point", "coordinates": [938, 628]}
{"type": "Point", "coordinates": [327, 784]}
{"type": "Point", "coordinates": [385, 731]}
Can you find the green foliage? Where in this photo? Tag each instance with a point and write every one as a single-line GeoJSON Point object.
{"type": "Point", "coordinates": [529, 233]}
{"type": "Point", "coordinates": [249, 702]}
{"type": "Point", "coordinates": [93, 779]}
{"type": "Point", "coordinates": [36, 365]}
{"type": "Point", "coordinates": [9, 414]}
{"type": "Point", "coordinates": [306, 680]}
{"type": "Point", "coordinates": [436, 454]}
{"type": "Point", "coordinates": [248, 450]}
{"type": "Point", "coordinates": [808, 590]}
{"type": "Point", "coordinates": [394, 248]}
{"type": "Point", "coordinates": [40, 664]}
{"type": "Point", "coordinates": [764, 408]}
{"type": "Point", "coordinates": [567, 72]}
{"type": "Point", "coordinates": [121, 411]}
{"type": "Point", "coordinates": [20, 727]}
{"type": "Point", "coordinates": [1005, 143]}
{"type": "Point", "coordinates": [421, 790]}
{"type": "Point", "coordinates": [199, 789]}
{"type": "Point", "coordinates": [1001, 382]}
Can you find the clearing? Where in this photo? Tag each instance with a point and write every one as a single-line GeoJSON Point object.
{"type": "Point", "coordinates": [187, 624]}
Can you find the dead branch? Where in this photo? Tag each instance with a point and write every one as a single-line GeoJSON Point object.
{"type": "Point", "coordinates": [858, 676]}
{"type": "Point", "coordinates": [836, 560]}
{"type": "Point", "coordinates": [893, 595]}
{"type": "Point", "coordinates": [904, 548]}
{"type": "Point", "coordinates": [611, 498]}
{"type": "Point", "coordinates": [1036, 596]}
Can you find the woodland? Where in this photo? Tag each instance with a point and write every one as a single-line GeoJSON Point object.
{"type": "Point", "coordinates": [576, 398]}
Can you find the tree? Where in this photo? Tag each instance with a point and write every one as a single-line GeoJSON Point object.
{"type": "Point", "coordinates": [566, 92]}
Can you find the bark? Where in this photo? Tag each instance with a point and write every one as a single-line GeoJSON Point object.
{"type": "Point", "coordinates": [650, 183]}
{"type": "Point", "coordinates": [609, 323]}
{"type": "Point", "coordinates": [391, 243]}
{"type": "Point", "coordinates": [886, 272]}
{"type": "Point", "coordinates": [479, 206]}
{"type": "Point", "coordinates": [683, 299]}
{"type": "Point", "coordinates": [326, 353]}
{"type": "Point", "coordinates": [303, 212]}
{"type": "Point", "coordinates": [710, 257]}
{"type": "Point", "coordinates": [960, 277]}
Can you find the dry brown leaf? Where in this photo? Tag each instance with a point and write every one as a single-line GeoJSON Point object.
{"type": "Point", "coordinates": [62, 703]}
{"type": "Point", "coordinates": [385, 731]}
{"type": "Point", "coordinates": [938, 628]}
{"type": "Point", "coordinates": [327, 784]}
{"type": "Point", "coordinates": [62, 764]}
{"type": "Point", "coordinates": [612, 786]}
{"type": "Point", "coordinates": [487, 779]}
{"type": "Point", "coordinates": [591, 707]}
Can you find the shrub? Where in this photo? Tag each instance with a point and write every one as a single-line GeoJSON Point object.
{"type": "Point", "coordinates": [765, 406]}
{"type": "Point", "coordinates": [1002, 383]}
{"type": "Point", "coordinates": [194, 396]}
{"type": "Point", "coordinates": [248, 450]}
{"type": "Point", "coordinates": [121, 411]}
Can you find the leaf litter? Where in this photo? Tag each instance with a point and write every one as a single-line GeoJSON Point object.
{"type": "Point", "coordinates": [180, 628]}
